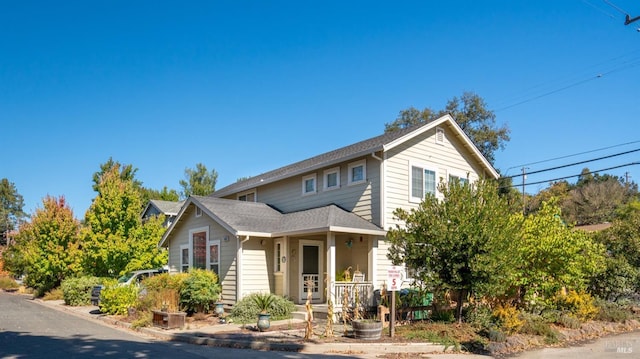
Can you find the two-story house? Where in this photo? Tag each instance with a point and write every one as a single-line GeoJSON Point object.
{"type": "Point", "coordinates": [291, 230]}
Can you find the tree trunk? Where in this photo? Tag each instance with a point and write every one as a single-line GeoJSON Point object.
{"type": "Point", "coordinates": [462, 293]}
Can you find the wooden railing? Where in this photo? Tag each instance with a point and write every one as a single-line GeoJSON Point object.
{"type": "Point", "coordinates": [364, 294]}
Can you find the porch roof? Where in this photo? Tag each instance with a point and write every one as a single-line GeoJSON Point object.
{"type": "Point", "coordinates": [261, 220]}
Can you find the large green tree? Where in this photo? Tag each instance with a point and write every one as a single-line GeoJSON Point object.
{"type": "Point", "coordinates": [461, 242]}
{"type": "Point", "coordinates": [47, 248]}
{"type": "Point", "coordinates": [199, 181]}
{"type": "Point", "coordinates": [115, 240]}
{"type": "Point", "coordinates": [471, 113]}
{"type": "Point", "coordinates": [11, 209]}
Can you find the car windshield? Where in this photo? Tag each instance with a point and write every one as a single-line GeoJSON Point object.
{"type": "Point", "coordinates": [125, 277]}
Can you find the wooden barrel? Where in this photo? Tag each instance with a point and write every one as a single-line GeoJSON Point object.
{"type": "Point", "coordinates": [367, 329]}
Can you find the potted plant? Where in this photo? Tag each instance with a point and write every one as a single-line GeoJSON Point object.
{"type": "Point", "coordinates": [264, 301]}
{"type": "Point", "coordinates": [367, 329]}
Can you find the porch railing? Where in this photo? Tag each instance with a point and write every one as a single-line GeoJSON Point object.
{"type": "Point", "coordinates": [364, 294]}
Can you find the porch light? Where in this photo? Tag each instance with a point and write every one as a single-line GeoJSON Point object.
{"type": "Point", "coordinates": [349, 243]}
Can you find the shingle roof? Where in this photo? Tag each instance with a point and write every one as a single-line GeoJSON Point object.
{"type": "Point", "coordinates": [346, 153]}
{"type": "Point", "coordinates": [254, 217]}
{"type": "Point", "coordinates": [167, 207]}
{"type": "Point", "coordinates": [341, 154]}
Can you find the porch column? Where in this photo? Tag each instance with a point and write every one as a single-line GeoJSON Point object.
{"type": "Point", "coordinates": [373, 261]}
{"type": "Point", "coordinates": [331, 265]}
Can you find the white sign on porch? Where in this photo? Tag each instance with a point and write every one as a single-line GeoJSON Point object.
{"type": "Point", "coordinates": [395, 275]}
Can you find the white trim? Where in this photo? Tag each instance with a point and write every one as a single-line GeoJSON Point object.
{"type": "Point", "coordinates": [440, 136]}
{"type": "Point", "coordinates": [182, 264]}
{"type": "Point", "coordinates": [277, 256]}
{"type": "Point", "coordinates": [246, 193]}
{"type": "Point", "coordinates": [331, 265]}
{"type": "Point", "coordinates": [423, 167]}
{"type": "Point", "coordinates": [353, 165]}
{"type": "Point", "coordinates": [320, 245]}
{"type": "Point", "coordinates": [198, 212]}
{"type": "Point", "coordinates": [325, 182]}
{"type": "Point", "coordinates": [306, 178]}
{"type": "Point", "coordinates": [465, 175]}
{"type": "Point", "coordinates": [210, 243]}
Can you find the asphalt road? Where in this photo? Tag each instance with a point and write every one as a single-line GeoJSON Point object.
{"type": "Point", "coordinates": [30, 330]}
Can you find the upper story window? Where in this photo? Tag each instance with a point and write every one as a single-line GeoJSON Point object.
{"type": "Point", "coordinates": [357, 172]}
{"type": "Point", "coordinates": [309, 184]}
{"type": "Point", "coordinates": [247, 196]}
{"type": "Point", "coordinates": [332, 178]}
{"type": "Point", "coordinates": [423, 181]}
{"type": "Point", "coordinates": [198, 211]}
{"type": "Point", "coordinates": [459, 179]}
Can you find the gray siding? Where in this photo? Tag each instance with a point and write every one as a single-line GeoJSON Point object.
{"type": "Point", "coordinates": [362, 199]}
{"type": "Point", "coordinates": [180, 236]}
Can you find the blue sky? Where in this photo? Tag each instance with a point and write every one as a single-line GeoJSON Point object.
{"type": "Point", "coordinates": [249, 86]}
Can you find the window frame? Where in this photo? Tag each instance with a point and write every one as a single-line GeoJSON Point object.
{"type": "Point", "coordinates": [423, 167]}
{"type": "Point", "coordinates": [210, 262]}
{"type": "Point", "coordinates": [246, 193]}
{"type": "Point", "coordinates": [330, 171]}
{"type": "Point", "coordinates": [278, 253]}
{"type": "Point", "coordinates": [352, 165]}
{"type": "Point", "coordinates": [440, 135]}
{"type": "Point", "coordinates": [184, 267]}
{"type": "Point", "coordinates": [198, 212]}
{"type": "Point", "coordinates": [206, 241]}
{"type": "Point", "coordinates": [306, 178]}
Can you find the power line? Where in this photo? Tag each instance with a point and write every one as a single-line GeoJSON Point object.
{"type": "Point", "coordinates": [577, 163]}
{"type": "Point", "coordinates": [572, 155]}
{"type": "Point", "coordinates": [615, 7]}
{"type": "Point", "coordinates": [578, 175]}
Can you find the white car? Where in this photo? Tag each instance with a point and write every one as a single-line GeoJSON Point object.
{"type": "Point", "coordinates": [129, 278]}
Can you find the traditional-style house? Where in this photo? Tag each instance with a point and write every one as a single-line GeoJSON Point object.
{"type": "Point", "coordinates": [295, 229]}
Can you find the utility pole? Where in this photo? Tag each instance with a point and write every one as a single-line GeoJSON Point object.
{"type": "Point", "coordinates": [524, 199]}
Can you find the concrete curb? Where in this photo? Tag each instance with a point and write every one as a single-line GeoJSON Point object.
{"type": "Point", "coordinates": [258, 344]}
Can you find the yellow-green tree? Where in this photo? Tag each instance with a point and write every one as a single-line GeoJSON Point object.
{"type": "Point", "coordinates": [115, 240]}
{"type": "Point", "coordinates": [552, 255]}
{"type": "Point", "coordinates": [47, 248]}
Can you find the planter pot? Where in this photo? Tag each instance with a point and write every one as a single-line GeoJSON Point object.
{"type": "Point", "coordinates": [219, 309]}
{"type": "Point", "coordinates": [264, 321]}
{"type": "Point", "coordinates": [367, 329]}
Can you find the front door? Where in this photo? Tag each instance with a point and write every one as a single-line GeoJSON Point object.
{"type": "Point", "coordinates": [310, 270]}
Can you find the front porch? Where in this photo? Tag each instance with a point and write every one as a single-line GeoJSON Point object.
{"type": "Point", "coordinates": [336, 265]}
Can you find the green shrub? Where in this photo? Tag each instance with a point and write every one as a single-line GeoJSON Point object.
{"type": "Point", "coordinates": [200, 291]}
{"type": "Point", "coordinates": [77, 291]}
{"type": "Point", "coordinates": [116, 300]}
{"type": "Point", "coordinates": [536, 325]}
{"type": "Point", "coordinates": [444, 316]}
{"type": "Point", "coordinates": [7, 282]}
{"type": "Point", "coordinates": [569, 321]}
{"type": "Point", "coordinates": [612, 312]}
{"type": "Point", "coordinates": [144, 319]}
{"type": "Point", "coordinates": [479, 316]}
{"type": "Point", "coordinates": [53, 294]}
{"type": "Point", "coordinates": [497, 335]}
{"type": "Point", "coordinates": [246, 310]}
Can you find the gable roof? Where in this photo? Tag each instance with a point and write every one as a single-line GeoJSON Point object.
{"type": "Point", "coordinates": [168, 208]}
{"type": "Point", "coordinates": [242, 218]}
{"type": "Point", "coordinates": [383, 142]}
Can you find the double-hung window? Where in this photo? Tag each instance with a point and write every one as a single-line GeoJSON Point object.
{"type": "Point", "coordinates": [184, 258]}
{"type": "Point", "coordinates": [214, 256]}
{"type": "Point", "coordinates": [423, 181]}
